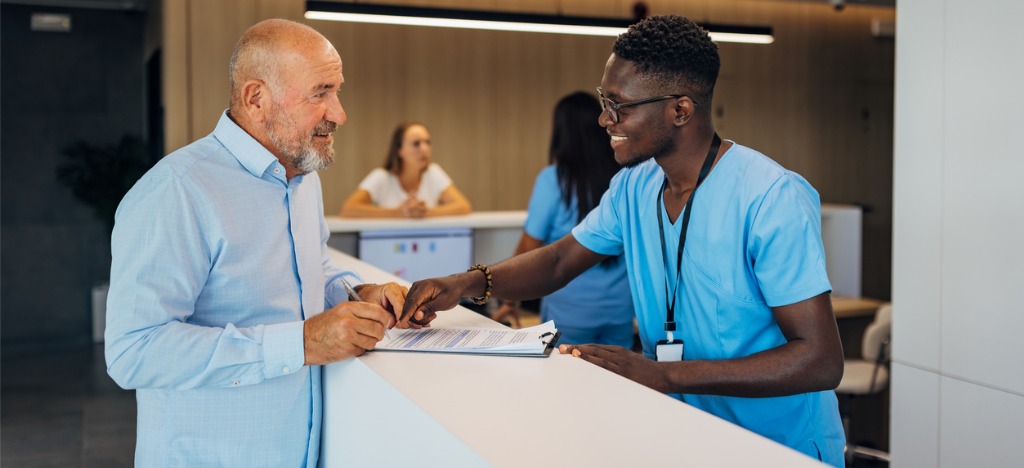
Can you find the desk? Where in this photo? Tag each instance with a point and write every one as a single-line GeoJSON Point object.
{"type": "Point", "coordinates": [495, 233]}
{"type": "Point", "coordinates": [850, 307]}
{"type": "Point", "coordinates": [853, 315]}
{"type": "Point", "coordinates": [413, 409]}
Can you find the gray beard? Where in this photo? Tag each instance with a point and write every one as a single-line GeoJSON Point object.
{"type": "Point", "coordinates": [304, 157]}
{"type": "Point", "coordinates": [309, 160]}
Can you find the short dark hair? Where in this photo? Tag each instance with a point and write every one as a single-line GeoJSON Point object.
{"type": "Point", "coordinates": [676, 53]}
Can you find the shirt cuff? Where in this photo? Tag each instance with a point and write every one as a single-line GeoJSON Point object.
{"type": "Point", "coordinates": [284, 350]}
{"type": "Point", "coordinates": [335, 291]}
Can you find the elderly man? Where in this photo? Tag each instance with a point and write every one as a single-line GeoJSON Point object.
{"type": "Point", "coordinates": [223, 302]}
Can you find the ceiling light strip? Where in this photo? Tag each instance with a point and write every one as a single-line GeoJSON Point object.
{"type": "Point", "coordinates": [466, 24]}
{"type": "Point", "coordinates": [741, 38]}
{"type": "Point", "coordinates": [496, 21]}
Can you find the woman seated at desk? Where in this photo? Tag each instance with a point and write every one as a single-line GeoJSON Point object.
{"type": "Point", "coordinates": [409, 185]}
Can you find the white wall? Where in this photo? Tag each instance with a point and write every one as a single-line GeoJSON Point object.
{"type": "Point", "coordinates": [958, 375]}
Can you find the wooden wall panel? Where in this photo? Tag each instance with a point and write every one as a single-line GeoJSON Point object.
{"type": "Point", "coordinates": [215, 27]}
{"type": "Point", "coordinates": [176, 64]}
{"type": "Point", "coordinates": [487, 98]}
{"type": "Point", "coordinates": [280, 9]}
{"type": "Point", "coordinates": [818, 100]}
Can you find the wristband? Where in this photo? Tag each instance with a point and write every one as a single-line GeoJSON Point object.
{"type": "Point", "coordinates": [481, 300]}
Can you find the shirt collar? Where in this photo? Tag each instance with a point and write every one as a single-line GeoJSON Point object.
{"type": "Point", "coordinates": [250, 153]}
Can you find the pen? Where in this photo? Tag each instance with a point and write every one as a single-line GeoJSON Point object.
{"type": "Point", "coordinates": [352, 292]}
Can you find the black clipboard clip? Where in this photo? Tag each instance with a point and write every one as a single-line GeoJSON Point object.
{"type": "Point", "coordinates": [552, 341]}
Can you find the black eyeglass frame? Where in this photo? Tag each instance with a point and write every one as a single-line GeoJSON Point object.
{"type": "Point", "coordinates": [612, 108]}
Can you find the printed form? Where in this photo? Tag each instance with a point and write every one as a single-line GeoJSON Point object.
{"type": "Point", "coordinates": [533, 341]}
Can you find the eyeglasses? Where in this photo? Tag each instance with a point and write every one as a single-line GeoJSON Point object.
{"type": "Point", "coordinates": [612, 108]}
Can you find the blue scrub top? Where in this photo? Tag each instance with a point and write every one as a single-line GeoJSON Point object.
{"type": "Point", "coordinates": [754, 242]}
{"type": "Point", "coordinates": [598, 297]}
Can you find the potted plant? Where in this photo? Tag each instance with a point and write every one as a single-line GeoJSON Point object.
{"type": "Point", "coordinates": [100, 176]}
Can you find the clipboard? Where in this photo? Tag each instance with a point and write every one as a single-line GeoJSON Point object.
{"type": "Point", "coordinates": [548, 346]}
{"type": "Point", "coordinates": [535, 341]}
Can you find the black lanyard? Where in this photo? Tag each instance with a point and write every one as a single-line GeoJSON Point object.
{"type": "Point", "coordinates": [670, 317]}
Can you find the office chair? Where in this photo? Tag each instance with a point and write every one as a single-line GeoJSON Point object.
{"type": "Point", "coordinates": [867, 376]}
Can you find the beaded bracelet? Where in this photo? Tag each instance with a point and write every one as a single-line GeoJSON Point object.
{"type": "Point", "coordinates": [481, 300]}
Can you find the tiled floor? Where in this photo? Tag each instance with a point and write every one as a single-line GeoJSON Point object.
{"type": "Point", "coordinates": [58, 408]}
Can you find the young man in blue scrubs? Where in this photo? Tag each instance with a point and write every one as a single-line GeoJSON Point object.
{"type": "Point", "coordinates": [722, 246]}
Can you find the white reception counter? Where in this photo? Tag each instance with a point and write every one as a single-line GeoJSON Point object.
{"type": "Point", "coordinates": [410, 409]}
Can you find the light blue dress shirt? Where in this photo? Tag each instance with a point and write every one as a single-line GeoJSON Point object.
{"type": "Point", "coordinates": [217, 260]}
{"type": "Point", "coordinates": [754, 242]}
{"type": "Point", "coordinates": [599, 298]}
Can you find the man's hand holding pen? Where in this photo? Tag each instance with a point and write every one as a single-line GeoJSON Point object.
{"type": "Point", "coordinates": [390, 296]}
{"type": "Point", "coordinates": [351, 328]}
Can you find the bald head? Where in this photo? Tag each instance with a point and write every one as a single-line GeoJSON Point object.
{"type": "Point", "coordinates": [264, 47]}
{"type": "Point", "coordinates": [285, 79]}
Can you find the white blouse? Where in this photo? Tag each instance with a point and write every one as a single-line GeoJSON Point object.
{"type": "Point", "coordinates": [386, 191]}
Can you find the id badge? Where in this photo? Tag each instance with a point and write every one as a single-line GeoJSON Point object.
{"type": "Point", "coordinates": [668, 351]}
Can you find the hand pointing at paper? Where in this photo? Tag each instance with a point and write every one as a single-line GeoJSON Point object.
{"type": "Point", "coordinates": [533, 274]}
{"type": "Point", "coordinates": [429, 296]}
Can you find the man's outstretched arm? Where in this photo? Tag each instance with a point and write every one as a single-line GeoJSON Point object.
{"type": "Point", "coordinates": [533, 274]}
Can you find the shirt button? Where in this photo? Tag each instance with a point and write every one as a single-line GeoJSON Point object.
{"type": "Point", "coordinates": [286, 370]}
{"type": "Point", "coordinates": [235, 382]}
{"type": "Point", "coordinates": [277, 171]}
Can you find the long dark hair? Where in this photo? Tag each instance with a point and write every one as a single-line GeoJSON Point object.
{"type": "Point", "coordinates": [581, 153]}
{"type": "Point", "coordinates": [393, 162]}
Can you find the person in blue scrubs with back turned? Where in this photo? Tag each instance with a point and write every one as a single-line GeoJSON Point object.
{"type": "Point", "coordinates": [722, 247]}
{"type": "Point", "coordinates": [596, 307]}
